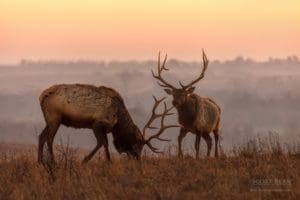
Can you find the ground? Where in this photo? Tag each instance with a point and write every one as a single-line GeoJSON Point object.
{"type": "Point", "coordinates": [249, 172]}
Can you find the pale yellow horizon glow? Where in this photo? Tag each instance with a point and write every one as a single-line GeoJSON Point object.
{"type": "Point", "coordinates": [138, 29]}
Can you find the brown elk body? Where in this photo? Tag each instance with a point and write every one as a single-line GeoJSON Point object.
{"type": "Point", "coordinates": [101, 109]}
{"type": "Point", "coordinates": [196, 114]}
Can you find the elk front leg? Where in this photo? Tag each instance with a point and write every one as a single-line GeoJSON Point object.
{"type": "Point", "coordinates": [105, 143]}
{"type": "Point", "coordinates": [90, 155]}
{"type": "Point", "coordinates": [197, 144]}
{"type": "Point", "coordinates": [100, 134]}
{"type": "Point", "coordinates": [182, 134]}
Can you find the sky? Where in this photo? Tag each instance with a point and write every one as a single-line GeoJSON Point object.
{"type": "Point", "coordinates": [138, 29]}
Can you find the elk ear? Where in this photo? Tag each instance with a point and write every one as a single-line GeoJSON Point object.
{"type": "Point", "coordinates": [168, 91]}
{"type": "Point", "coordinates": [190, 90]}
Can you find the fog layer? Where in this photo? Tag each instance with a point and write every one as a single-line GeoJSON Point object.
{"type": "Point", "coordinates": [255, 98]}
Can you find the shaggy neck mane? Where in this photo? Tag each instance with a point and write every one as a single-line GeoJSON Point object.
{"type": "Point", "coordinates": [187, 112]}
{"type": "Point", "coordinates": [125, 124]}
{"type": "Point", "coordinates": [125, 131]}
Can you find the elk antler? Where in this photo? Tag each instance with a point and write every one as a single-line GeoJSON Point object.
{"type": "Point", "coordinates": [205, 64]}
{"type": "Point", "coordinates": [154, 116]}
{"type": "Point", "coordinates": [160, 69]}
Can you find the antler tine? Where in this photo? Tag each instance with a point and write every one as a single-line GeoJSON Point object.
{"type": "Point", "coordinates": [205, 65]}
{"type": "Point", "coordinates": [157, 101]}
{"type": "Point", "coordinates": [167, 110]}
{"type": "Point", "coordinates": [154, 149]}
{"type": "Point", "coordinates": [163, 67]}
{"type": "Point", "coordinates": [158, 63]}
{"type": "Point", "coordinates": [160, 69]}
{"type": "Point", "coordinates": [165, 113]}
{"type": "Point", "coordinates": [181, 84]}
{"type": "Point", "coordinates": [159, 83]}
{"type": "Point", "coordinates": [153, 115]}
{"type": "Point", "coordinates": [162, 126]}
{"type": "Point", "coordinates": [162, 85]}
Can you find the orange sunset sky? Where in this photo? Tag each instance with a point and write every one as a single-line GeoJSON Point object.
{"type": "Point", "coordinates": [138, 29]}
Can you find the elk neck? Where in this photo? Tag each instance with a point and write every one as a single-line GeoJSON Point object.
{"type": "Point", "coordinates": [125, 123]}
{"type": "Point", "coordinates": [125, 133]}
{"type": "Point", "coordinates": [187, 112]}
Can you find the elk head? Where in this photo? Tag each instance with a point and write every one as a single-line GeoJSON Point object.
{"type": "Point", "coordinates": [180, 95]}
{"type": "Point", "coordinates": [138, 147]}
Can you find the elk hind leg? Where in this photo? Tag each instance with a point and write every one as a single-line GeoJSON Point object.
{"type": "Point", "coordinates": [42, 140]}
{"type": "Point", "coordinates": [216, 135]}
{"type": "Point", "coordinates": [208, 140]}
{"type": "Point", "coordinates": [52, 132]}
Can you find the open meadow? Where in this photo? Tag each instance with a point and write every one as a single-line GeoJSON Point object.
{"type": "Point", "coordinates": [255, 170]}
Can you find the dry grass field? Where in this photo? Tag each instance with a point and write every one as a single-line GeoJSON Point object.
{"type": "Point", "coordinates": [255, 170]}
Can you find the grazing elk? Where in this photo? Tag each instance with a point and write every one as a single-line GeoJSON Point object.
{"type": "Point", "coordinates": [196, 114]}
{"type": "Point", "coordinates": [101, 109]}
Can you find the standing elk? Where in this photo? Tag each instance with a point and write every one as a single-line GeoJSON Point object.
{"type": "Point", "coordinates": [196, 114]}
{"type": "Point", "coordinates": [101, 109]}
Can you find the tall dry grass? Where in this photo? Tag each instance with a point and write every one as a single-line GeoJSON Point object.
{"type": "Point", "coordinates": [255, 170]}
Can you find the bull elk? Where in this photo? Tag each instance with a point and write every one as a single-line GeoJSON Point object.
{"type": "Point", "coordinates": [101, 109]}
{"type": "Point", "coordinates": [197, 114]}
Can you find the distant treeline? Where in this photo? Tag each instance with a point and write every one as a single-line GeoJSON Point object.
{"type": "Point", "coordinates": [240, 60]}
